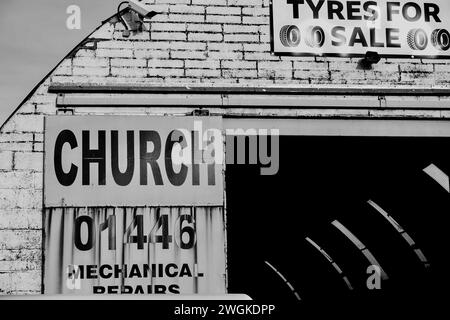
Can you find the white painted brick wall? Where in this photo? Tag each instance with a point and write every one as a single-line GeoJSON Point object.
{"type": "Point", "coordinates": [202, 42]}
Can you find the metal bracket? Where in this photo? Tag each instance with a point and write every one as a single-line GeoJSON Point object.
{"type": "Point", "coordinates": [383, 102]}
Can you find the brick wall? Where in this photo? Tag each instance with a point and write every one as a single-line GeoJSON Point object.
{"type": "Point", "coordinates": [192, 42]}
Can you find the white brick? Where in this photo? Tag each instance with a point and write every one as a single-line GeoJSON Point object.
{"type": "Point", "coordinates": [205, 37]}
{"type": "Point", "coordinates": [20, 239]}
{"type": "Point", "coordinates": [115, 53]}
{"type": "Point", "coordinates": [241, 38]}
{"type": "Point", "coordinates": [255, 20]}
{"type": "Point", "coordinates": [174, 17]}
{"type": "Point", "coordinates": [223, 19]}
{"type": "Point", "coordinates": [20, 219]}
{"type": "Point", "coordinates": [17, 180]}
{"type": "Point", "coordinates": [202, 73]}
{"type": "Point", "coordinates": [155, 63]}
{"type": "Point", "coordinates": [190, 9]}
{"type": "Point", "coordinates": [6, 158]}
{"type": "Point", "coordinates": [90, 71]}
{"type": "Point", "coordinates": [210, 2]}
{"type": "Point", "coordinates": [90, 62]}
{"type": "Point", "coordinates": [20, 199]}
{"type": "Point", "coordinates": [193, 46]}
{"type": "Point", "coordinates": [238, 65]}
{"type": "Point", "coordinates": [208, 64]}
{"type": "Point", "coordinates": [166, 72]}
{"type": "Point", "coordinates": [223, 11]}
{"type": "Point", "coordinates": [120, 62]}
{"type": "Point", "coordinates": [28, 123]}
{"type": "Point", "coordinates": [201, 27]}
{"type": "Point", "coordinates": [225, 55]}
{"type": "Point", "coordinates": [152, 54]}
{"type": "Point", "coordinates": [168, 27]}
{"type": "Point", "coordinates": [239, 73]}
{"type": "Point", "coordinates": [129, 72]}
{"type": "Point", "coordinates": [168, 36]}
{"type": "Point", "coordinates": [188, 55]}
{"type": "Point", "coordinates": [29, 161]}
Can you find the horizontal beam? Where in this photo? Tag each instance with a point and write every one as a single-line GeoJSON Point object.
{"type": "Point", "coordinates": [215, 100]}
{"type": "Point", "coordinates": [81, 100]}
{"type": "Point", "coordinates": [142, 89]}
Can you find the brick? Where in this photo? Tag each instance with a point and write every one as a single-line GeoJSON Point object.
{"type": "Point", "coordinates": [6, 161]}
{"type": "Point", "coordinates": [239, 73]}
{"type": "Point", "coordinates": [29, 161]}
{"type": "Point", "coordinates": [16, 137]}
{"type": "Point", "coordinates": [174, 17]}
{"type": "Point", "coordinates": [151, 54]}
{"type": "Point", "coordinates": [188, 55]}
{"type": "Point", "coordinates": [172, 2]}
{"type": "Point", "coordinates": [115, 44]}
{"type": "Point", "coordinates": [90, 71]}
{"type": "Point", "coordinates": [202, 73]}
{"type": "Point", "coordinates": [115, 53]}
{"type": "Point", "coordinates": [168, 27]}
{"type": "Point", "coordinates": [20, 198]}
{"type": "Point", "coordinates": [225, 55]}
{"type": "Point", "coordinates": [20, 239]}
{"type": "Point", "coordinates": [225, 46]}
{"type": "Point", "coordinates": [168, 36]}
{"type": "Point", "coordinates": [241, 38]}
{"type": "Point", "coordinates": [255, 20]}
{"type": "Point", "coordinates": [20, 219]}
{"type": "Point", "coordinates": [210, 2]}
{"type": "Point", "coordinates": [255, 11]}
{"type": "Point", "coordinates": [165, 72]}
{"type": "Point", "coordinates": [193, 46]}
{"type": "Point", "coordinates": [260, 56]}
{"type": "Point", "coordinates": [238, 65]}
{"type": "Point", "coordinates": [28, 123]}
{"type": "Point", "coordinates": [27, 281]}
{"type": "Point", "coordinates": [223, 11]}
{"type": "Point", "coordinates": [21, 255]}
{"type": "Point", "coordinates": [245, 3]}
{"type": "Point", "coordinates": [205, 37]}
{"type": "Point", "coordinates": [190, 9]}
{"type": "Point", "coordinates": [254, 47]}
{"type": "Point", "coordinates": [208, 64]}
{"type": "Point", "coordinates": [120, 62]}
{"type": "Point", "coordinates": [197, 27]}
{"type": "Point", "coordinates": [154, 63]}
{"type": "Point", "coordinates": [223, 19]}
{"type": "Point", "coordinates": [238, 28]}
{"type": "Point", "coordinates": [16, 146]}
{"type": "Point", "coordinates": [17, 180]}
{"type": "Point", "coordinates": [129, 72]}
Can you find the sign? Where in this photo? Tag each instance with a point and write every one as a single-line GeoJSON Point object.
{"type": "Point", "coordinates": [133, 161]}
{"type": "Point", "coordinates": [132, 250]}
{"type": "Point", "coordinates": [352, 28]}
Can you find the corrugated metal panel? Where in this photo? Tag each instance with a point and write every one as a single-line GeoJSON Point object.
{"type": "Point", "coordinates": [111, 230]}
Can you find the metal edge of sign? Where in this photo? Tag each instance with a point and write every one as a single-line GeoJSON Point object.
{"type": "Point", "coordinates": [355, 55]}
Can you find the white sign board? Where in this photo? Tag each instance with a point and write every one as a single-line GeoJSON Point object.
{"type": "Point", "coordinates": [133, 161]}
{"type": "Point", "coordinates": [352, 28]}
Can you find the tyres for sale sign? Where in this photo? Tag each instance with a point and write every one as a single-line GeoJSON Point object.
{"type": "Point", "coordinates": [352, 28]}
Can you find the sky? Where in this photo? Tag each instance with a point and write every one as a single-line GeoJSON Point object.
{"type": "Point", "coordinates": [34, 38]}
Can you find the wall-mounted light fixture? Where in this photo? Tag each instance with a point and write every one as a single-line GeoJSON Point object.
{"type": "Point", "coordinates": [138, 12]}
